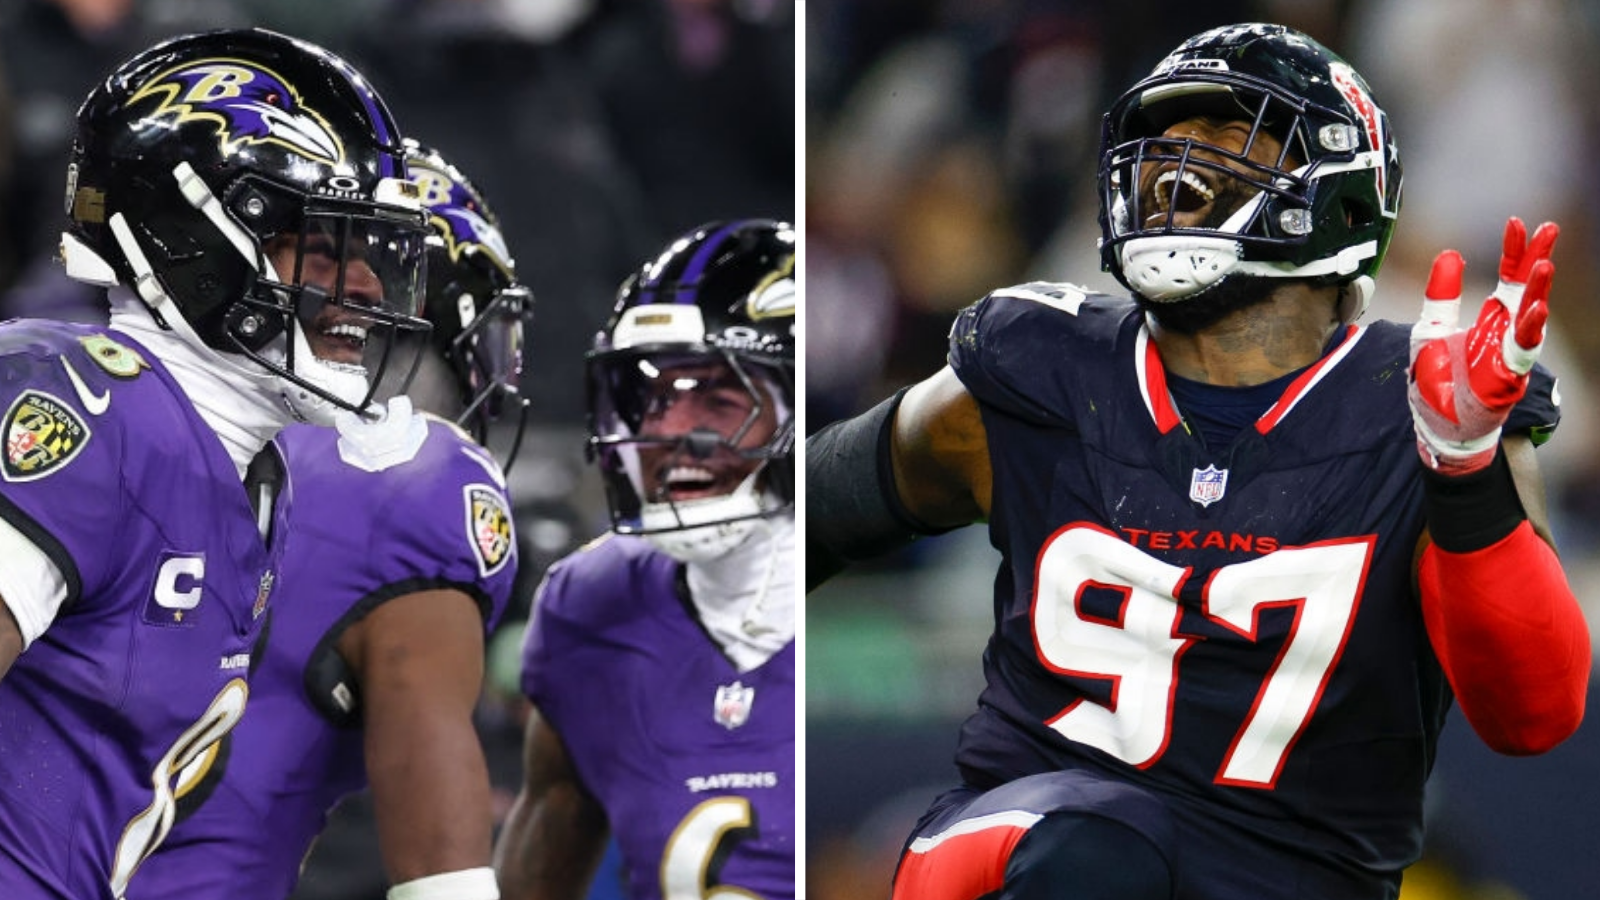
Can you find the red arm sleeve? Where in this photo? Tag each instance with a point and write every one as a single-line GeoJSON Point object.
{"type": "Point", "coordinates": [1511, 638]}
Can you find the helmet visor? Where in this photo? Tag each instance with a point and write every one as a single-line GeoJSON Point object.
{"type": "Point", "coordinates": [368, 262]}
{"type": "Point", "coordinates": [351, 276]}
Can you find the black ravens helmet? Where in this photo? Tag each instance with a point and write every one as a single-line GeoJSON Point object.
{"type": "Point", "coordinates": [243, 183]}
{"type": "Point", "coordinates": [476, 306]}
{"type": "Point", "coordinates": [1323, 210]}
{"type": "Point", "coordinates": [692, 389]}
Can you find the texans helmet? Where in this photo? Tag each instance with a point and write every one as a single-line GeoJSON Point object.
{"type": "Point", "coordinates": [1325, 210]}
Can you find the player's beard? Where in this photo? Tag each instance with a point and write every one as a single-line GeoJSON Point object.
{"type": "Point", "coordinates": [1193, 314]}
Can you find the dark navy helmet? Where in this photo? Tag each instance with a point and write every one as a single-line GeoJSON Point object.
{"type": "Point", "coordinates": [707, 326]}
{"type": "Point", "coordinates": [243, 182]}
{"type": "Point", "coordinates": [1323, 209]}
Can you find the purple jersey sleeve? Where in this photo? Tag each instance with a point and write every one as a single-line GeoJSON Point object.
{"type": "Point", "coordinates": [63, 470]}
{"type": "Point", "coordinates": [110, 470]}
{"type": "Point", "coordinates": [357, 540]}
{"type": "Point", "coordinates": [443, 519]}
{"type": "Point", "coordinates": [692, 760]}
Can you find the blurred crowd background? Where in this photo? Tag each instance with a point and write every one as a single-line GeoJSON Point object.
{"type": "Point", "coordinates": [597, 129]}
{"type": "Point", "coordinates": [951, 148]}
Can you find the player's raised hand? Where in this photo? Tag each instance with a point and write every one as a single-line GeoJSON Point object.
{"type": "Point", "coordinates": [1464, 383]}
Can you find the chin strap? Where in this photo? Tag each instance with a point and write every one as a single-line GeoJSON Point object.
{"type": "Point", "coordinates": [1169, 268]}
{"type": "Point", "coordinates": [199, 195]}
{"type": "Point", "coordinates": [145, 282]}
{"type": "Point", "coordinates": [1355, 299]}
{"type": "Point", "coordinates": [1175, 267]}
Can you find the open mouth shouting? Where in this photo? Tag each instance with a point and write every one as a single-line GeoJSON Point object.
{"type": "Point", "coordinates": [691, 482]}
{"type": "Point", "coordinates": [1188, 198]}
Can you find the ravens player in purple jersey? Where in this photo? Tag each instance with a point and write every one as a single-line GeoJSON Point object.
{"type": "Point", "coordinates": [1233, 606]}
{"type": "Point", "coordinates": [660, 658]}
{"type": "Point", "coordinates": [400, 558]}
{"type": "Point", "coordinates": [242, 195]}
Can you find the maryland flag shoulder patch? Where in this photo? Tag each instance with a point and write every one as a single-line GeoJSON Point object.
{"type": "Point", "coordinates": [488, 527]}
{"type": "Point", "coordinates": [42, 434]}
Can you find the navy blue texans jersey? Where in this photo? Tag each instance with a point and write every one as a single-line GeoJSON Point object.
{"type": "Point", "coordinates": [1232, 628]}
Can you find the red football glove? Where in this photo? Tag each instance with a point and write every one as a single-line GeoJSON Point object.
{"type": "Point", "coordinates": [1464, 383]}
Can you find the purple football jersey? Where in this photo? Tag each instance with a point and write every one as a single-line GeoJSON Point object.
{"type": "Point", "coordinates": [692, 759]}
{"type": "Point", "coordinates": [357, 539]}
{"type": "Point", "coordinates": [109, 469]}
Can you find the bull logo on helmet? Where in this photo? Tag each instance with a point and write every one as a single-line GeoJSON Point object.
{"type": "Point", "coordinates": [248, 104]}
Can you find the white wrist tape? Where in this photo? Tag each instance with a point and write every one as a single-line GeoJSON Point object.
{"type": "Point", "coordinates": [1509, 293]}
{"type": "Point", "coordinates": [466, 884]}
{"type": "Point", "coordinates": [1519, 359]}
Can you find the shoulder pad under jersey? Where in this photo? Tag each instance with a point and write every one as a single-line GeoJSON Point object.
{"type": "Point", "coordinates": [1024, 349]}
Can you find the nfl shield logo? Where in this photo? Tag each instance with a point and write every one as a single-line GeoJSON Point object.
{"type": "Point", "coordinates": [1208, 485]}
{"type": "Point", "coordinates": [731, 708]}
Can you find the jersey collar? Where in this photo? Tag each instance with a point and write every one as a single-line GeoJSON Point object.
{"type": "Point", "coordinates": [1163, 410]}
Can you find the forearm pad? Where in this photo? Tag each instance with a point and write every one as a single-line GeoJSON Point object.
{"type": "Point", "coordinates": [853, 511]}
{"type": "Point", "coordinates": [1511, 638]}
